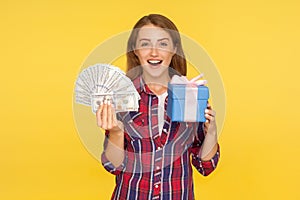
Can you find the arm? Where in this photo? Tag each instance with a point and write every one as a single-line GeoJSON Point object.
{"type": "Point", "coordinates": [114, 150]}
{"type": "Point", "coordinates": [113, 155]}
{"type": "Point", "coordinates": [205, 150]}
{"type": "Point", "coordinates": [204, 167]}
{"type": "Point", "coordinates": [210, 144]}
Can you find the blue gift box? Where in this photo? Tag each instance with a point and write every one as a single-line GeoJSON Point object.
{"type": "Point", "coordinates": [187, 103]}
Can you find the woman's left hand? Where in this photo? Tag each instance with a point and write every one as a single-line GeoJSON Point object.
{"type": "Point", "coordinates": [210, 126]}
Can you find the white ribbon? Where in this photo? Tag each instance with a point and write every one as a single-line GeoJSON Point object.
{"type": "Point", "coordinates": [190, 104]}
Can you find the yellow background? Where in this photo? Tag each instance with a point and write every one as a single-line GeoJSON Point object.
{"type": "Point", "coordinates": [255, 45]}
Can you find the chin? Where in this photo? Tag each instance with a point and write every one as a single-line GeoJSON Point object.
{"type": "Point", "coordinates": [157, 73]}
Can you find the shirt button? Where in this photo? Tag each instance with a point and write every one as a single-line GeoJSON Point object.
{"type": "Point", "coordinates": [165, 130]}
{"type": "Point", "coordinates": [157, 167]}
{"type": "Point", "coordinates": [156, 186]}
{"type": "Point", "coordinates": [158, 148]}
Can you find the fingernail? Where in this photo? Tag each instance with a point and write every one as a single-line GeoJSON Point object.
{"type": "Point", "coordinates": [105, 101]}
{"type": "Point", "coordinates": [108, 102]}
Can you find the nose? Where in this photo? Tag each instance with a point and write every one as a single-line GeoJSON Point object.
{"type": "Point", "coordinates": [154, 52]}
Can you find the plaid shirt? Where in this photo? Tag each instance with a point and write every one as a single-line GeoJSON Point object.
{"type": "Point", "coordinates": [157, 166]}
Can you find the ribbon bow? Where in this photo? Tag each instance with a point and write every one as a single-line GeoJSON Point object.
{"type": "Point", "coordinates": [183, 80]}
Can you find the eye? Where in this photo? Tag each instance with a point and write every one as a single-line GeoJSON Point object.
{"type": "Point", "coordinates": [145, 44]}
{"type": "Point", "coordinates": [163, 44]}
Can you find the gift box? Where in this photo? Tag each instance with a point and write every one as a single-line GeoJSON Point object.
{"type": "Point", "coordinates": [187, 102]}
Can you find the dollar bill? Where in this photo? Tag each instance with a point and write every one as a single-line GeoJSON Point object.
{"type": "Point", "coordinates": [104, 82]}
{"type": "Point", "coordinates": [122, 102]}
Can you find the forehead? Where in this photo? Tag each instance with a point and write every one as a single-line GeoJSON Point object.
{"type": "Point", "coordinates": [152, 32]}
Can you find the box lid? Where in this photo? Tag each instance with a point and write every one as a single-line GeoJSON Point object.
{"type": "Point", "coordinates": [178, 91]}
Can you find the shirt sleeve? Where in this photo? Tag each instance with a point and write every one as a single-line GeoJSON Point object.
{"type": "Point", "coordinates": [107, 164]}
{"type": "Point", "coordinates": [204, 167]}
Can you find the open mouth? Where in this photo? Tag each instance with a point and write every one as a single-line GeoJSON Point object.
{"type": "Point", "coordinates": [154, 62]}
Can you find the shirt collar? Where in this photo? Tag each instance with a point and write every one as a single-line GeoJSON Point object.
{"type": "Point", "coordinates": [141, 86]}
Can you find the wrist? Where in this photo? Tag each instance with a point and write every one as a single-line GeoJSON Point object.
{"type": "Point", "coordinates": [119, 127]}
{"type": "Point", "coordinates": [211, 133]}
{"type": "Point", "coordinates": [115, 133]}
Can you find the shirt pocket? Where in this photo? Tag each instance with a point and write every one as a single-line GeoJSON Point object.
{"type": "Point", "coordinates": [137, 126]}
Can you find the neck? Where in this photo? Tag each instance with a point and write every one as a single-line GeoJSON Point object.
{"type": "Point", "coordinates": [157, 88]}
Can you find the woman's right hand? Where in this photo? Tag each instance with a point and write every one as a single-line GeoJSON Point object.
{"type": "Point", "coordinates": [106, 118]}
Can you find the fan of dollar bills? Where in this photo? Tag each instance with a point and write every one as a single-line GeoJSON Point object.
{"type": "Point", "coordinates": [101, 82]}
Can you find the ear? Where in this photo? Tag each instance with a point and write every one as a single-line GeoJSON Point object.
{"type": "Point", "coordinates": [135, 51]}
{"type": "Point", "coordinates": [175, 50]}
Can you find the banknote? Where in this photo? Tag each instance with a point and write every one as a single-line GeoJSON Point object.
{"type": "Point", "coordinates": [101, 82]}
{"type": "Point", "coordinates": [122, 102]}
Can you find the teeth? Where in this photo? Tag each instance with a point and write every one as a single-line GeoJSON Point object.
{"type": "Point", "coordinates": [154, 61]}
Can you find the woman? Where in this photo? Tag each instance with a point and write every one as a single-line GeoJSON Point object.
{"type": "Point", "coordinates": [151, 156]}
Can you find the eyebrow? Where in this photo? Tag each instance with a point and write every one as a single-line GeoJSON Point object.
{"type": "Point", "coordinates": [150, 40]}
